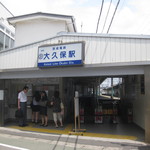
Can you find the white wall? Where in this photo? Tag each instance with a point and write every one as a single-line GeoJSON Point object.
{"type": "Point", "coordinates": [4, 14]}
{"type": "Point", "coordinates": [133, 95]}
{"type": "Point", "coordinates": [29, 32]}
{"type": "Point", "coordinates": [139, 106]}
{"type": "Point", "coordinates": [119, 50]}
{"type": "Point", "coordinates": [139, 111]}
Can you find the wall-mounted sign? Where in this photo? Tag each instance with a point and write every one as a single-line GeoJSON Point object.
{"type": "Point", "coordinates": [61, 55]}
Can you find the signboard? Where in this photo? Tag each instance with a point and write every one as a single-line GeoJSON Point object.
{"type": "Point", "coordinates": [61, 55]}
{"type": "Point", "coordinates": [1, 95]}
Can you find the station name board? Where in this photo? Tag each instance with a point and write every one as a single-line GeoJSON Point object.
{"type": "Point", "coordinates": [61, 55]}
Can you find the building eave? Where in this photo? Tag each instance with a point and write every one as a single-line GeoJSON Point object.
{"type": "Point", "coordinates": [39, 15]}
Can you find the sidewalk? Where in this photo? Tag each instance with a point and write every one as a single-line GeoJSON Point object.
{"type": "Point", "coordinates": [38, 141]}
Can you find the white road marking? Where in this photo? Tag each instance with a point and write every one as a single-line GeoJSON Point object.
{"type": "Point", "coordinates": [14, 147]}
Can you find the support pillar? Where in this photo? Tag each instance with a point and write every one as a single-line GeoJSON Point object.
{"type": "Point", "coordinates": [2, 103]}
{"type": "Point", "coordinates": [147, 104]}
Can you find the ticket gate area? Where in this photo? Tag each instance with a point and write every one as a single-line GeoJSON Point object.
{"type": "Point", "coordinates": [101, 114]}
{"type": "Point", "coordinates": [99, 120]}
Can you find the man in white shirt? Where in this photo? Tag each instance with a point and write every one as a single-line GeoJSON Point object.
{"type": "Point", "coordinates": [22, 104]}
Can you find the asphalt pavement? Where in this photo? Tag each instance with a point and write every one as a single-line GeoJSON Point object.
{"type": "Point", "coordinates": [15, 139]}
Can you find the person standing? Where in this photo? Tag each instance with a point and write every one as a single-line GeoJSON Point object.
{"type": "Point", "coordinates": [56, 102]}
{"type": "Point", "coordinates": [43, 109]}
{"type": "Point", "coordinates": [35, 107]}
{"type": "Point", "coordinates": [22, 104]}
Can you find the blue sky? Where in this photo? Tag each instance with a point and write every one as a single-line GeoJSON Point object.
{"type": "Point", "coordinates": [132, 16]}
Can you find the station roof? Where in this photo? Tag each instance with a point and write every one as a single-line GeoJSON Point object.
{"type": "Point", "coordinates": [99, 35]}
{"type": "Point", "coordinates": [40, 15]}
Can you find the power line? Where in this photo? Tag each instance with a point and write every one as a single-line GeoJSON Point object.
{"type": "Point", "coordinates": [108, 39]}
{"type": "Point", "coordinates": [113, 16]}
{"type": "Point", "coordinates": [123, 3]}
{"type": "Point", "coordinates": [106, 16]}
{"type": "Point", "coordinates": [6, 8]}
{"type": "Point", "coordinates": [99, 15]}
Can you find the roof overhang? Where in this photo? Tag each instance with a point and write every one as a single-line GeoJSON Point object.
{"type": "Point", "coordinates": [85, 71]}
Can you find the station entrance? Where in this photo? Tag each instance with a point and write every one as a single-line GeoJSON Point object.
{"type": "Point", "coordinates": [108, 104]}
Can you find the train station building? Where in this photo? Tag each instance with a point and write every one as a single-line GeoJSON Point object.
{"type": "Point", "coordinates": [49, 54]}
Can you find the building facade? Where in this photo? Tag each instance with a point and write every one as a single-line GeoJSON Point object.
{"type": "Point", "coordinates": [6, 30]}
{"type": "Point", "coordinates": [68, 61]}
{"type": "Point", "coordinates": [40, 26]}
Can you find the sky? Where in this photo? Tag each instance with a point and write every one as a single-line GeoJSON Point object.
{"type": "Point", "coordinates": [132, 16]}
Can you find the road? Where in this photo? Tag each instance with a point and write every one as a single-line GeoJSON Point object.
{"type": "Point", "coordinates": [13, 139]}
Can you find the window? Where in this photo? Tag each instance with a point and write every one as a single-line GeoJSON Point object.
{"type": "Point", "coordinates": [6, 42]}
{"type": "Point", "coordinates": [12, 35]}
{"type": "Point", "coordinates": [12, 43]}
{"type": "Point", "coordinates": [1, 27]}
{"type": "Point", "coordinates": [1, 41]}
{"type": "Point", "coordinates": [7, 31]}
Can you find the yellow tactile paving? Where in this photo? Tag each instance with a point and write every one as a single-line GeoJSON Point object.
{"type": "Point", "coordinates": [68, 129]}
{"type": "Point", "coordinates": [110, 136]}
{"type": "Point", "coordinates": [36, 129]}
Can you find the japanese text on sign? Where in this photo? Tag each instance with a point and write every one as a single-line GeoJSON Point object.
{"type": "Point", "coordinates": [58, 55]}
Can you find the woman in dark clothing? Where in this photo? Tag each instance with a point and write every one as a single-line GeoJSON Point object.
{"type": "Point", "coordinates": [35, 107]}
{"type": "Point", "coordinates": [43, 109]}
{"type": "Point", "coordinates": [56, 102]}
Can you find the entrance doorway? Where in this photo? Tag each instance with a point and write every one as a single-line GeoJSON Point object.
{"type": "Point", "coordinates": [111, 106]}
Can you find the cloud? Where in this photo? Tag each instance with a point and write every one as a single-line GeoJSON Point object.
{"type": "Point", "coordinates": [20, 7]}
{"type": "Point", "coordinates": [132, 16]}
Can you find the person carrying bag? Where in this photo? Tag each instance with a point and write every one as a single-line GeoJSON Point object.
{"type": "Point", "coordinates": [18, 113]}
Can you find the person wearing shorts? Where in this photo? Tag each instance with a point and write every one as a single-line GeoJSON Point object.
{"type": "Point", "coordinates": [56, 102]}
